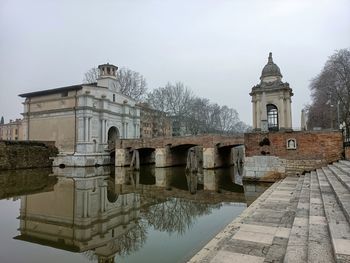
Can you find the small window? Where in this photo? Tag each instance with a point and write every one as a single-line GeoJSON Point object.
{"type": "Point", "coordinates": [113, 97]}
{"type": "Point", "coordinates": [64, 94]}
{"type": "Point", "coordinates": [16, 131]}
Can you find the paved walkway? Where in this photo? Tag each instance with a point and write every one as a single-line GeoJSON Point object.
{"type": "Point", "coordinates": [298, 219]}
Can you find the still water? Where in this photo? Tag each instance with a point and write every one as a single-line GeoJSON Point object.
{"type": "Point", "coordinates": [109, 214]}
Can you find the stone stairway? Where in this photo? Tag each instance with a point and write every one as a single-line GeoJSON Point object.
{"type": "Point", "coordinates": [298, 219]}
{"type": "Point", "coordinates": [321, 227]}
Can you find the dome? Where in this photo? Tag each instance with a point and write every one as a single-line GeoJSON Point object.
{"type": "Point", "coordinates": [270, 69]}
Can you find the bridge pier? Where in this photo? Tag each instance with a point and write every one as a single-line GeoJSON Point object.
{"type": "Point", "coordinates": [219, 157]}
{"type": "Point", "coordinates": [163, 157]}
{"type": "Point", "coordinates": [122, 157]}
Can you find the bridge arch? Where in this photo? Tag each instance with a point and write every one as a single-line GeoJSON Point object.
{"type": "Point", "coordinates": [147, 155]}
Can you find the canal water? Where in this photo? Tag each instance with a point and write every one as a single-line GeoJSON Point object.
{"type": "Point", "coordinates": [109, 214]}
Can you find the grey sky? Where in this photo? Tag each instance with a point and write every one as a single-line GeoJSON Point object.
{"type": "Point", "coordinates": [217, 48]}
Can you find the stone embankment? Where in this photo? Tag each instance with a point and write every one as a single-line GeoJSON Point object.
{"type": "Point", "coordinates": [298, 219]}
{"type": "Point", "coordinates": [26, 154]}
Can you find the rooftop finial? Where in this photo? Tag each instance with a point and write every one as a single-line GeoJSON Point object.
{"type": "Point", "coordinates": [270, 57]}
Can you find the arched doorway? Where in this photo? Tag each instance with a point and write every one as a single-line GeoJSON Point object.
{"type": "Point", "coordinates": [272, 117]}
{"type": "Point", "coordinates": [113, 136]}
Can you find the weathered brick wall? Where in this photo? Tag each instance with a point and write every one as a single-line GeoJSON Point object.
{"type": "Point", "coordinates": [311, 145]}
{"type": "Point", "coordinates": [26, 154]}
{"type": "Point", "coordinates": [314, 150]}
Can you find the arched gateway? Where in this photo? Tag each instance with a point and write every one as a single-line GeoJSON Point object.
{"type": "Point", "coordinates": [113, 136]}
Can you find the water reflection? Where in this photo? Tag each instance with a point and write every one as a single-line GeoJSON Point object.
{"type": "Point", "coordinates": [16, 183]}
{"type": "Point", "coordinates": [78, 216]}
{"type": "Point", "coordinates": [102, 212]}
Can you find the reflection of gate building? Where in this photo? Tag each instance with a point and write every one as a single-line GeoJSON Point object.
{"type": "Point", "coordinates": [80, 215]}
{"type": "Point", "coordinates": [271, 100]}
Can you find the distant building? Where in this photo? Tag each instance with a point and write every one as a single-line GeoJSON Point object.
{"type": "Point", "coordinates": [179, 127]}
{"type": "Point", "coordinates": [154, 123]}
{"type": "Point", "coordinates": [11, 131]}
{"type": "Point", "coordinates": [271, 100]}
{"type": "Point", "coordinates": [84, 120]}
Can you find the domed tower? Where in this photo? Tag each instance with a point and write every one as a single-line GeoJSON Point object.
{"type": "Point", "coordinates": [271, 100]}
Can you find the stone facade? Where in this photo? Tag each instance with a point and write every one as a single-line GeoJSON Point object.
{"type": "Point", "coordinates": [84, 119]}
{"type": "Point", "coordinates": [269, 158]}
{"type": "Point", "coordinates": [24, 154]}
{"type": "Point", "coordinates": [271, 100]}
{"type": "Point", "coordinates": [11, 131]}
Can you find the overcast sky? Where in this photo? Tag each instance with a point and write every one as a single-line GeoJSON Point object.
{"type": "Point", "coordinates": [217, 48]}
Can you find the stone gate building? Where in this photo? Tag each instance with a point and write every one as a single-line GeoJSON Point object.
{"type": "Point", "coordinates": [84, 120]}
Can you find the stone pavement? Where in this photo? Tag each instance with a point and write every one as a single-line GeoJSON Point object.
{"type": "Point", "coordinates": [298, 219]}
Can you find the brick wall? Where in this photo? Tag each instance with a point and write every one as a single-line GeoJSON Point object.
{"type": "Point", "coordinates": [311, 145]}
{"type": "Point", "coordinates": [26, 154]}
{"type": "Point", "coordinates": [314, 150]}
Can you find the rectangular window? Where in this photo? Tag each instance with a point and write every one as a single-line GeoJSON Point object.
{"type": "Point", "coordinates": [64, 94]}
{"type": "Point", "coordinates": [113, 97]}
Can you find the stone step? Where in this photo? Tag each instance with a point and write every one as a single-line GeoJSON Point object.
{"type": "Point", "coordinates": [341, 192]}
{"type": "Point", "coordinates": [344, 162]}
{"type": "Point", "coordinates": [343, 174]}
{"type": "Point", "coordinates": [277, 250]}
{"type": "Point", "coordinates": [338, 225]}
{"type": "Point", "coordinates": [319, 241]}
{"type": "Point", "coordinates": [297, 247]}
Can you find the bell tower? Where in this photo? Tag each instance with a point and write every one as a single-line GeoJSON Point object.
{"type": "Point", "coordinates": [107, 77]}
{"type": "Point", "coordinates": [271, 100]}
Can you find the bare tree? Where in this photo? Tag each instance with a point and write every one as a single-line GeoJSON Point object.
{"type": "Point", "coordinates": [173, 100]}
{"type": "Point", "coordinates": [91, 76]}
{"type": "Point", "coordinates": [130, 83]}
{"type": "Point", "coordinates": [195, 115]}
{"type": "Point", "coordinates": [176, 215]}
{"type": "Point", "coordinates": [330, 92]}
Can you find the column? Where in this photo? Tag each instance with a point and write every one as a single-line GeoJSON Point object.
{"type": "Point", "coordinates": [289, 113]}
{"type": "Point", "coordinates": [89, 129]}
{"type": "Point", "coordinates": [105, 134]}
{"type": "Point", "coordinates": [123, 130]}
{"type": "Point", "coordinates": [80, 129]}
{"type": "Point", "coordinates": [281, 114]}
{"type": "Point", "coordinates": [86, 129]}
{"type": "Point", "coordinates": [254, 113]}
{"type": "Point", "coordinates": [102, 130]}
{"type": "Point", "coordinates": [85, 204]}
{"type": "Point", "coordinates": [258, 114]}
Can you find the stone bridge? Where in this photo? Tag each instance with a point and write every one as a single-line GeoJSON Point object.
{"type": "Point", "coordinates": [214, 150]}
